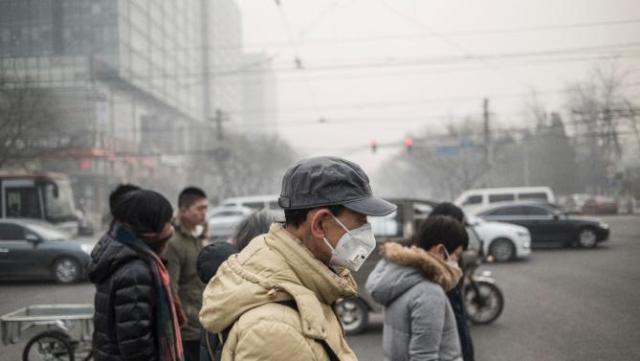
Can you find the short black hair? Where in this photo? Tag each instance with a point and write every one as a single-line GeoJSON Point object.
{"type": "Point", "coordinates": [451, 210]}
{"type": "Point", "coordinates": [443, 230]}
{"type": "Point", "coordinates": [116, 195]}
{"type": "Point", "coordinates": [296, 217]}
{"type": "Point", "coordinates": [144, 211]}
{"type": "Point", "coordinates": [448, 209]}
{"type": "Point", "coordinates": [190, 195]}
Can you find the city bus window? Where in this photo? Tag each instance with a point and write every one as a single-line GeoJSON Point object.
{"type": "Point", "coordinates": [23, 203]}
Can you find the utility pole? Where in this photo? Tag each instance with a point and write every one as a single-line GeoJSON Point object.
{"type": "Point", "coordinates": [525, 162]}
{"type": "Point", "coordinates": [219, 118]}
{"type": "Point", "coordinates": [206, 59]}
{"type": "Point", "coordinates": [487, 141]}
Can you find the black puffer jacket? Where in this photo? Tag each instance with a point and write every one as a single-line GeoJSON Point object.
{"type": "Point", "coordinates": [124, 326]}
{"type": "Point", "coordinates": [457, 304]}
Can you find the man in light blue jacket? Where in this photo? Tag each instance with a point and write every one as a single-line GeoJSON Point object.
{"type": "Point", "coordinates": [411, 283]}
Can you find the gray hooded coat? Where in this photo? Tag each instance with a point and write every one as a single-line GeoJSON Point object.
{"type": "Point", "coordinates": [419, 324]}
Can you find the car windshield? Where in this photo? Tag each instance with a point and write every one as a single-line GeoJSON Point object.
{"type": "Point", "coordinates": [59, 201]}
{"type": "Point", "coordinates": [48, 232]}
{"type": "Point", "coordinates": [387, 226]}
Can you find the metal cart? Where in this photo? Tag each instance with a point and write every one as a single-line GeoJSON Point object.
{"type": "Point", "coordinates": [55, 332]}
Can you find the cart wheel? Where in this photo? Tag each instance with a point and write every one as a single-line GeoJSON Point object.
{"type": "Point", "coordinates": [89, 356]}
{"type": "Point", "coordinates": [48, 346]}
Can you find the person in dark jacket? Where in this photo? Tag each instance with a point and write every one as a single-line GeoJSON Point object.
{"type": "Point", "coordinates": [181, 254]}
{"type": "Point", "coordinates": [455, 295]}
{"type": "Point", "coordinates": [136, 314]}
{"type": "Point", "coordinates": [213, 255]}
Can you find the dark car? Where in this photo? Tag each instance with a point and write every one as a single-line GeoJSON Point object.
{"type": "Point", "coordinates": [32, 249]}
{"type": "Point", "coordinates": [548, 224]}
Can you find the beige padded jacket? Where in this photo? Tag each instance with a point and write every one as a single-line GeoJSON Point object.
{"type": "Point", "coordinates": [276, 267]}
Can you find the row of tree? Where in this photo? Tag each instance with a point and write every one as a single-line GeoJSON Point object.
{"type": "Point", "coordinates": [591, 150]}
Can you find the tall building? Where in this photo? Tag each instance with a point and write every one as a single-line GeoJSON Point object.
{"type": "Point", "coordinates": [129, 73]}
{"type": "Point", "coordinates": [224, 57]}
{"type": "Point", "coordinates": [260, 96]}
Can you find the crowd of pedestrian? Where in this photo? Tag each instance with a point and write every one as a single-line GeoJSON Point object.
{"type": "Point", "coordinates": [268, 293]}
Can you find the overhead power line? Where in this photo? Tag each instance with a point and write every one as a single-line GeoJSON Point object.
{"type": "Point", "coordinates": [621, 49]}
{"type": "Point", "coordinates": [458, 33]}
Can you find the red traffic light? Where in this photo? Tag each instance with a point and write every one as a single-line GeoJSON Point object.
{"type": "Point", "coordinates": [408, 143]}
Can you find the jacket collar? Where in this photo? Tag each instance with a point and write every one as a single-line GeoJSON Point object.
{"type": "Point", "coordinates": [315, 281]}
{"type": "Point", "coordinates": [179, 229]}
{"type": "Point", "coordinates": [432, 268]}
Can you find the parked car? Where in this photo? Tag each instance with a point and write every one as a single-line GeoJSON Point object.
{"type": "Point", "coordinates": [503, 241]}
{"type": "Point", "coordinates": [31, 249]}
{"type": "Point", "coordinates": [600, 205]}
{"type": "Point", "coordinates": [474, 199]}
{"type": "Point", "coordinates": [255, 202]}
{"type": "Point", "coordinates": [224, 220]}
{"type": "Point", "coordinates": [574, 203]}
{"type": "Point", "coordinates": [589, 204]}
{"type": "Point", "coordinates": [548, 224]}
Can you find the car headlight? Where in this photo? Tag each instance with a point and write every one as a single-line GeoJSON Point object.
{"type": "Point", "coordinates": [86, 248]}
{"type": "Point", "coordinates": [603, 225]}
{"type": "Point", "coordinates": [522, 234]}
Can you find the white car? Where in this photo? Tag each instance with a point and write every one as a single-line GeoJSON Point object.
{"type": "Point", "coordinates": [503, 241]}
{"type": "Point", "coordinates": [255, 202]}
{"type": "Point", "coordinates": [224, 220]}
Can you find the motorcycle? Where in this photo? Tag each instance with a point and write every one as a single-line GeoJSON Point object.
{"type": "Point", "coordinates": [482, 299]}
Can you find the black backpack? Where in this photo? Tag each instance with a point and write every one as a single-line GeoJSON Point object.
{"type": "Point", "coordinates": [215, 342]}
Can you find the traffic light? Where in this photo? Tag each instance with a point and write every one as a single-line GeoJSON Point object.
{"type": "Point", "coordinates": [374, 146]}
{"type": "Point", "coordinates": [408, 143]}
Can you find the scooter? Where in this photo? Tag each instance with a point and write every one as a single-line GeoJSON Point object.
{"type": "Point", "coordinates": [482, 298]}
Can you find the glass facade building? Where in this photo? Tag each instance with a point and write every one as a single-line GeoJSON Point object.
{"type": "Point", "coordinates": [128, 74]}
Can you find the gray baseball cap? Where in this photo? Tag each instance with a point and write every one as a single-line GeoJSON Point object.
{"type": "Point", "coordinates": [325, 181]}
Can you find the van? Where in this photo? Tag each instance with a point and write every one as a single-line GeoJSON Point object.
{"type": "Point", "coordinates": [480, 197]}
{"type": "Point", "coordinates": [254, 202]}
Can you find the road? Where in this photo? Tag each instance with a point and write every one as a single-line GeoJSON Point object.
{"type": "Point", "coordinates": [561, 305]}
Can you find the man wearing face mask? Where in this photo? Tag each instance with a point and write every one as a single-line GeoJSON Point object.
{"type": "Point", "coordinates": [273, 300]}
{"type": "Point", "coordinates": [411, 283]}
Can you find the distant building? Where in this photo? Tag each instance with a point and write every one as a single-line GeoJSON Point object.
{"type": "Point", "coordinates": [260, 96]}
{"type": "Point", "coordinates": [223, 30]}
{"type": "Point", "coordinates": [130, 73]}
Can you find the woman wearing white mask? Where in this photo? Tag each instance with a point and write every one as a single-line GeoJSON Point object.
{"type": "Point", "coordinates": [411, 283]}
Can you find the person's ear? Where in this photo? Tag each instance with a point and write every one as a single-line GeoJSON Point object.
{"type": "Point", "coordinates": [316, 220]}
{"type": "Point", "coordinates": [438, 250]}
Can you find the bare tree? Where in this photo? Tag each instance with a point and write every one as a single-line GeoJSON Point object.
{"type": "Point", "coordinates": [601, 111]}
{"type": "Point", "coordinates": [239, 166]}
{"type": "Point", "coordinates": [29, 128]}
{"type": "Point", "coordinates": [438, 167]}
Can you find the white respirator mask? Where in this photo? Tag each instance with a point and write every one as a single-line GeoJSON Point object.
{"type": "Point", "coordinates": [353, 248]}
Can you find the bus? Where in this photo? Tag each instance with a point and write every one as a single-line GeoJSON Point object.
{"type": "Point", "coordinates": [38, 195]}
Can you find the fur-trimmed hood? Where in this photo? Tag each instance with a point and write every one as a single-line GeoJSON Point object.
{"type": "Point", "coordinates": [403, 267]}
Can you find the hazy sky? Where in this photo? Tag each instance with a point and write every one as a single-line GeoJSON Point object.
{"type": "Point", "coordinates": [379, 70]}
